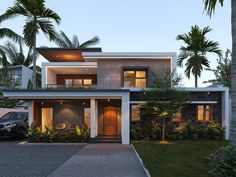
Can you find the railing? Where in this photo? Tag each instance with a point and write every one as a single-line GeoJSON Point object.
{"type": "Point", "coordinates": [69, 86]}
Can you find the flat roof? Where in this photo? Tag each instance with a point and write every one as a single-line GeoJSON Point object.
{"type": "Point", "coordinates": [65, 54]}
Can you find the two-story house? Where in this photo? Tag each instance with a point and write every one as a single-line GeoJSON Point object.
{"type": "Point", "coordinates": [103, 90]}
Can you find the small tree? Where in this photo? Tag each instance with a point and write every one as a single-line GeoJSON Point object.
{"type": "Point", "coordinates": [222, 71]}
{"type": "Point", "coordinates": [165, 98]}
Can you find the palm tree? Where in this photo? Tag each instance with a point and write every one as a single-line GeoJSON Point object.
{"type": "Point", "coordinates": [15, 56]}
{"type": "Point", "coordinates": [195, 50]}
{"type": "Point", "coordinates": [6, 32]}
{"type": "Point", "coordinates": [62, 40]}
{"type": "Point", "coordinates": [38, 18]}
{"type": "Point", "coordinates": [210, 6]}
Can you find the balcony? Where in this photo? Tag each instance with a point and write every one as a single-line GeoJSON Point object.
{"type": "Point", "coordinates": [69, 86]}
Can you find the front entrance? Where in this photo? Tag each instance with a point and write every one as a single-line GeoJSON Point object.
{"type": "Point", "coordinates": [110, 121]}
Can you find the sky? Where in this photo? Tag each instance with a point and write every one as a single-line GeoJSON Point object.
{"type": "Point", "coordinates": [134, 25]}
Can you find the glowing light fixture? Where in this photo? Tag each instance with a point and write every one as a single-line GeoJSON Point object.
{"type": "Point", "coordinates": [108, 100]}
{"type": "Point", "coordinates": [41, 103]}
{"type": "Point", "coordinates": [61, 102]}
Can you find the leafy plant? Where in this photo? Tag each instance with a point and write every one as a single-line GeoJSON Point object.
{"type": "Point", "coordinates": [223, 162]}
{"type": "Point", "coordinates": [136, 133]}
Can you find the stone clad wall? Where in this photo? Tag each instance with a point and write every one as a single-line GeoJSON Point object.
{"type": "Point", "coordinates": [110, 72]}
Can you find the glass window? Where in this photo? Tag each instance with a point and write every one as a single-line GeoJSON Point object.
{"type": "Point", "coordinates": [135, 113]}
{"type": "Point", "coordinates": [140, 74]}
{"type": "Point", "coordinates": [87, 114]}
{"type": "Point", "coordinates": [78, 82]}
{"type": "Point", "coordinates": [141, 83]}
{"type": "Point", "coordinates": [135, 78]}
{"type": "Point", "coordinates": [200, 113]}
{"type": "Point", "coordinates": [204, 112]}
{"type": "Point", "coordinates": [69, 82]}
{"type": "Point", "coordinates": [129, 79]}
{"type": "Point", "coordinates": [177, 117]}
{"type": "Point", "coordinates": [87, 81]}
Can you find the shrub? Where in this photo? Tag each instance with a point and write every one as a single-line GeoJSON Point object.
{"type": "Point", "coordinates": [136, 132]}
{"type": "Point", "coordinates": [78, 134]}
{"type": "Point", "coordinates": [182, 131]}
{"type": "Point", "coordinates": [223, 162]}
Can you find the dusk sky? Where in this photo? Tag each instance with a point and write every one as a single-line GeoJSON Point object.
{"type": "Point", "coordinates": [134, 25]}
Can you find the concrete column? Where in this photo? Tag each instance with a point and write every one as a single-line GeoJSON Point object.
{"type": "Point", "coordinates": [125, 119]}
{"type": "Point", "coordinates": [31, 112]}
{"type": "Point", "coordinates": [93, 118]}
{"type": "Point", "coordinates": [96, 118]}
{"type": "Point", "coordinates": [226, 110]}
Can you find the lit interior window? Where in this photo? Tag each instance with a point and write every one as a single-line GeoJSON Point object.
{"type": "Point", "coordinates": [204, 112]}
{"type": "Point", "coordinates": [135, 78]}
{"type": "Point", "coordinates": [78, 82]}
{"type": "Point", "coordinates": [135, 113]}
{"type": "Point", "coordinates": [87, 81]}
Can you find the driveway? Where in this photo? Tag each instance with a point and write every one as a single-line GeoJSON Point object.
{"type": "Point", "coordinates": [92, 160]}
{"type": "Point", "coordinates": [32, 161]}
{"type": "Point", "coordinates": [102, 160]}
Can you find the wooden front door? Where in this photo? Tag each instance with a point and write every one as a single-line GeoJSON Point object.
{"type": "Point", "coordinates": [110, 121]}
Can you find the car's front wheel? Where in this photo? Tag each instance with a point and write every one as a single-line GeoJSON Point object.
{"type": "Point", "coordinates": [21, 133]}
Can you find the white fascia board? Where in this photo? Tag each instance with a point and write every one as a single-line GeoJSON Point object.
{"type": "Point", "coordinates": [128, 54]}
{"type": "Point", "coordinates": [64, 95]}
{"type": "Point", "coordinates": [203, 102]}
{"type": "Point", "coordinates": [206, 89]}
{"type": "Point", "coordinates": [189, 89]}
{"type": "Point", "coordinates": [69, 64]}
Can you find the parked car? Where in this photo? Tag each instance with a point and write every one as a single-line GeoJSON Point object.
{"type": "Point", "coordinates": [14, 124]}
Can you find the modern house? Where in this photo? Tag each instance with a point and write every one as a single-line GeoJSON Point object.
{"type": "Point", "coordinates": [20, 75]}
{"type": "Point", "coordinates": [104, 90]}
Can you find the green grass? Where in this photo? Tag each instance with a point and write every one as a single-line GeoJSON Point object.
{"type": "Point", "coordinates": [180, 159]}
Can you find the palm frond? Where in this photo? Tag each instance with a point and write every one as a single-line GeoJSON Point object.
{"type": "Point", "coordinates": [66, 39]}
{"type": "Point", "coordinates": [6, 32]}
{"type": "Point", "coordinates": [30, 31]}
{"type": "Point", "coordinates": [75, 41]}
{"type": "Point", "coordinates": [13, 12]}
{"type": "Point", "coordinates": [50, 14]}
{"type": "Point", "coordinates": [210, 5]}
{"type": "Point", "coordinates": [48, 29]}
{"type": "Point", "coordinates": [95, 40]}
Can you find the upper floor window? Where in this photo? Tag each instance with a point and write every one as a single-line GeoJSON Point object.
{"type": "Point", "coordinates": [135, 78]}
{"type": "Point", "coordinates": [204, 113]}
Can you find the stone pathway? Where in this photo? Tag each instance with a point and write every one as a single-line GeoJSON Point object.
{"type": "Point", "coordinates": [102, 160]}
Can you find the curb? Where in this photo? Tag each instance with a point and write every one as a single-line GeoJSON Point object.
{"type": "Point", "coordinates": [25, 143]}
{"type": "Point", "coordinates": [141, 161]}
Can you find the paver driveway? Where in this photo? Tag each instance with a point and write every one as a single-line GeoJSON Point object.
{"type": "Point", "coordinates": [32, 161]}
{"type": "Point", "coordinates": [102, 160]}
{"type": "Point", "coordinates": [92, 160]}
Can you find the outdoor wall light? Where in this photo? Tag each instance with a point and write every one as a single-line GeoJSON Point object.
{"type": "Point", "coordinates": [108, 100]}
{"type": "Point", "coordinates": [41, 103]}
{"type": "Point", "coordinates": [61, 102]}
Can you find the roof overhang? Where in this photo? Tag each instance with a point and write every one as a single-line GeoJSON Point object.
{"type": "Point", "coordinates": [65, 54]}
{"type": "Point", "coordinates": [72, 94]}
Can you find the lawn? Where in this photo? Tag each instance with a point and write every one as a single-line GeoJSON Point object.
{"type": "Point", "coordinates": [180, 159]}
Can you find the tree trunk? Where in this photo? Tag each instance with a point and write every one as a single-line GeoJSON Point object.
{"type": "Point", "coordinates": [163, 129]}
{"type": "Point", "coordinates": [233, 77]}
{"type": "Point", "coordinates": [196, 80]}
{"type": "Point", "coordinates": [34, 63]}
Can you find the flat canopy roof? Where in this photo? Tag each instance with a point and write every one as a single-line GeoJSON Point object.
{"type": "Point", "coordinates": [65, 54]}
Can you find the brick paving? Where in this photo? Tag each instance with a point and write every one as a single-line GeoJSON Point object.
{"type": "Point", "coordinates": [33, 160]}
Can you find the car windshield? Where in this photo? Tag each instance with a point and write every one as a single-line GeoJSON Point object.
{"type": "Point", "coordinates": [13, 115]}
{"type": "Point", "coordinates": [6, 116]}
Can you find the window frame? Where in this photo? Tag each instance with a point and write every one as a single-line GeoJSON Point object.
{"type": "Point", "coordinates": [204, 112]}
{"type": "Point", "coordinates": [135, 69]}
